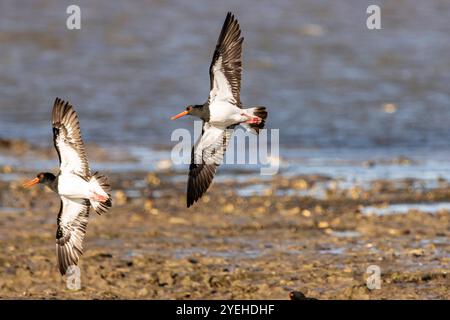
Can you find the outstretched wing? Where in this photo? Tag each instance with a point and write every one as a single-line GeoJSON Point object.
{"type": "Point", "coordinates": [226, 66]}
{"type": "Point", "coordinates": [206, 156]}
{"type": "Point", "coordinates": [67, 139]}
{"type": "Point", "coordinates": [72, 222]}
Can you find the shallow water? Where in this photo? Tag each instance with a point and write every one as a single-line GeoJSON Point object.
{"type": "Point", "coordinates": [403, 208]}
{"type": "Point", "coordinates": [345, 234]}
{"type": "Point", "coordinates": [10, 210]}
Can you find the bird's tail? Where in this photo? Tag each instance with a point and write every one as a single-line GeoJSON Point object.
{"type": "Point", "coordinates": [101, 200]}
{"type": "Point", "coordinates": [259, 112]}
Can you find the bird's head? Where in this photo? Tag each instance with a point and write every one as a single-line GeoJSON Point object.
{"type": "Point", "coordinates": [193, 110]}
{"type": "Point", "coordinates": [43, 177]}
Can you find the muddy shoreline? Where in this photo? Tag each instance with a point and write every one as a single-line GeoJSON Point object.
{"type": "Point", "coordinates": [238, 242]}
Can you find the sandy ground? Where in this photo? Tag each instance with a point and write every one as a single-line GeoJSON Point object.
{"type": "Point", "coordinates": [149, 246]}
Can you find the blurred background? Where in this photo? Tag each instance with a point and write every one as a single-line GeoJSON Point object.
{"type": "Point", "coordinates": [335, 89]}
{"type": "Point", "coordinates": [364, 149]}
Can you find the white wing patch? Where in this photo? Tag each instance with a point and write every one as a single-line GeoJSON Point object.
{"type": "Point", "coordinates": [72, 222]}
{"type": "Point", "coordinates": [207, 154]}
{"type": "Point", "coordinates": [211, 146]}
{"type": "Point", "coordinates": [71, 161]}
{"type": "Point", "coordinates": [70, 211]}
{"type": "Point", "coordinates": [67, 139]}
{"type": "Point", "coordinates": [221, 89]}
{"type": "Point", "coordinates": [226, 65]}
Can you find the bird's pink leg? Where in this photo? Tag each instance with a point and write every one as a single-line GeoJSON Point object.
{"type": "Point", "coordinates": [98, 197]}
{"type": "Point", "coordinates": [253, 120]}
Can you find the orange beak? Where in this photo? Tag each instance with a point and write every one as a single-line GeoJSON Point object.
{"type": "Point", "coordinates": [31, 183]}
{"type": "Point", "coordinates": [181, 114]}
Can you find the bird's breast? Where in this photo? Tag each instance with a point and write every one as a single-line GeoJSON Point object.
{"type": "Point", "coordinates": [224, 113]}
{"type": "Point", "coordinates": [73, 186]}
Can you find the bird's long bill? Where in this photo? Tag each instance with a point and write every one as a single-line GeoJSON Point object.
{"type": "Point", "coordinates": [179, 115]}
{"type": "Point", "coordinates": [31, 183]}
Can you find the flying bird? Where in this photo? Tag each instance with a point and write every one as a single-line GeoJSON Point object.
{"type": "Point", "coordinates": [75, 185]}
{"type": "Point", "coordinates": [221, 112]}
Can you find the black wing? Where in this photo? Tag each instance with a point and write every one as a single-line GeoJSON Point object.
{"type": "Point", "coordinates": [72, 222]}
{"type": "Point", "coordinates": [226, 66]}
{"type": "Point", "coordinates": [67, 139]}
{"type": "Point", "coordinates": [206, 156]}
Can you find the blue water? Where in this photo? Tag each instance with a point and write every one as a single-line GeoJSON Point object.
{"type": "Point", "coordinates": [134, 64]}
{"type": "Point", "coordinates": [403, 208]}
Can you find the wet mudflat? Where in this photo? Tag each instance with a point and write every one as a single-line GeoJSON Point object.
{"type": "Point", "coordinates": [364, 145]}
{"type": "Point", "coordinates": [248, 239]}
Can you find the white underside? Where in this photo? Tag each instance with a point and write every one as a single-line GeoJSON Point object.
{"type": "Point", "coordinates": [224, 114]}
{"type": "Point", "coordinates": [74, 187]}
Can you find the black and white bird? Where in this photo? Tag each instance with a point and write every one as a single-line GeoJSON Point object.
{"type": "Point", "coordinates": [222, 112]}
{"type": "Point", "coordinates": [76, 186]}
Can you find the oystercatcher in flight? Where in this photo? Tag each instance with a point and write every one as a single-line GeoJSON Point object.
{"type": "Point", "coordinates": [222, 112]}
{"type": "Point", "coordinates": [76, 186]}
